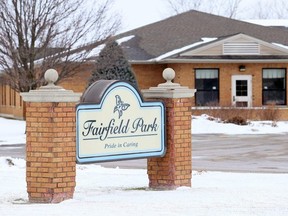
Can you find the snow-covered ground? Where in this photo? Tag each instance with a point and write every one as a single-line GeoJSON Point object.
{"type": "Point", "coordinates": [107, 191]}
{"type": "Point", "coordinates": [202, 125]}
{"type": "Point", "coordinates": [12, 132]}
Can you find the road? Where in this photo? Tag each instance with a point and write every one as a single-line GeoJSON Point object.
{"type": "Point", "coordinates": [237, 153]}
{"type": "Point", "coordinates": [15, 151]}
{"type": "Point", "coordinates": [249, 153]}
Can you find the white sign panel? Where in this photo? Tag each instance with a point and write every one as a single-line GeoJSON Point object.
{"type": "Point", "coordinates": [122, 126]}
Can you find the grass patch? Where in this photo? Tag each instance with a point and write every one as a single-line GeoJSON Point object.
{"type": "Point", "coordinates": [137, 189]}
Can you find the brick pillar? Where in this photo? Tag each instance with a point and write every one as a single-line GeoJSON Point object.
{"type": "Point", "coordinates": [50, 142]}
{"type": "Point", "coordinates": [175, 168]}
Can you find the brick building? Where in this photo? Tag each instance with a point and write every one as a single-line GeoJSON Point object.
{"type": "Point", "coordinates": [231, 63]}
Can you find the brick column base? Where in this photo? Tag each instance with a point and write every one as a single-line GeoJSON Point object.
{"type": "Point", "coordinates": [175, 168]}
{"type": "Point", "coordinates": [50, 151]}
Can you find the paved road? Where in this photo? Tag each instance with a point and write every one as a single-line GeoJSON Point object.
{"type": "Point", "coordinates": [15, 151]}
{"type": "Point", "coordinates": [249, 153]}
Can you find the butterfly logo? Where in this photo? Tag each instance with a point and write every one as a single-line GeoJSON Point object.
{"type": "Point", "coordinates": [120, 106]}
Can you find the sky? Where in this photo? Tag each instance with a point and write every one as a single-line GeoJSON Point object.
{"type": "Point", "coordinates": [117, 191]}
{"type": "Point", "coordinates": [142, 12]}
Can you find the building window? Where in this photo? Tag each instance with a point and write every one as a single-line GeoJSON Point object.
{"type": "Point", "coordinates": [3, 98]}
{"type": "Point", "coordinates": [274, 86]}
{"type": "Point", "coordinates": [207, 85]}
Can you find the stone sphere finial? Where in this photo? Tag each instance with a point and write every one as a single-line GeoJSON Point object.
{"type": "Point", "coordinates": [51, 76]}
{"type": "Point", "coordinates": [168, 74]}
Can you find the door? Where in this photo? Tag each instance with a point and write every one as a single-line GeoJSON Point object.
{"type": "Point", "coordinates": [242, 90]}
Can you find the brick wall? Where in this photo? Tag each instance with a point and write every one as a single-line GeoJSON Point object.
{"type": "Point", "coordinates": [151, 75]}
{"type": "Point", "coordinates": [185, 75]}
{"type": "Point", "coordinates": [78, 82]}
{"type": "Point", "coordinates": [50, 151]}
{"type": "Point", "coordinates": [10, 102]}
{"type": "Point", "coordinates": [148, 75]}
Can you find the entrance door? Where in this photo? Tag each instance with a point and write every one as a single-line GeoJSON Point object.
{"type": "Point", "coordinates": [242, 90]}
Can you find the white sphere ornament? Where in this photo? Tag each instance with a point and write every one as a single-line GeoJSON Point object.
{"type": "Point", "coordinates": [168, 74]}
{"type": "Point", "coordinates": [51, 76]}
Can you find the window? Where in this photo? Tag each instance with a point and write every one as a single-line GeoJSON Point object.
{"type": "Point", "coordinates": [241, 88]}
{"type": "Point", "coordinates": [274, 86]}
{"type": "Point", "coordinates": [207, 85]}
{"type": "Point", "coordinates": [3, 98]}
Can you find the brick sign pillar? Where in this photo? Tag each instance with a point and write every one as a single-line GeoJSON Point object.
{"type": "Point", "coordinates": [50, 142]}
{"type": "Point", "coordinates": [175, 168]}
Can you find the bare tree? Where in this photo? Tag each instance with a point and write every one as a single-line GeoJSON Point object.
{"type": "Point", "coordinates": [232, 8]}
{"type": "Point", "coordinates": [179, 6]}
{"type": "Point", "coordinates": [280, 9]}
{"type": "Point", "coordinates": [38, 34]}
{"type": "Point", "coordinates": [276, 9]}
{"type": "Point", "coordinates": [228, 8]}
{"type": "Point", "coordinates": [260, 12]}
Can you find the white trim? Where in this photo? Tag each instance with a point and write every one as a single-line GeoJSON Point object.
{"type": "Point", "coordinates": [235, 37]}
{"type": "Point", "coordinates": [182, 49]}
{"type": "Point", "coordinates": [165, 61]}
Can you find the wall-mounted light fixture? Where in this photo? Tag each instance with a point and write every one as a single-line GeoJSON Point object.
{"type": "Point", "coordinates": [242, 68]}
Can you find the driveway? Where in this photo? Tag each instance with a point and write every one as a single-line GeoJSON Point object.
{"type": "Point", "coordinates": [249, 153]}
{"type": "Point", "coordinates": [237, 153]}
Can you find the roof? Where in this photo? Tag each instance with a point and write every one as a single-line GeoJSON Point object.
{"type": "Point", "coordinates": [182, 30]}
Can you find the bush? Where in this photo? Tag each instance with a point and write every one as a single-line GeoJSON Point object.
{"type": "Point", "coordinates": [238, 120]}
{"type": "Point", "coordinates": [271, 112]}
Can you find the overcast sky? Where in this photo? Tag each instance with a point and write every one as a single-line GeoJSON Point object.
{"type": "Point", "coordinates": [136, 13]}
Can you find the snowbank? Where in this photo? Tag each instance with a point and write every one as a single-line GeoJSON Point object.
{"type": "Point", "coordinates": [204, 125]}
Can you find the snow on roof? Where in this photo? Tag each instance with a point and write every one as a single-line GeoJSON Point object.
{"type": "Point", "coordinates": [280, 45]}
{"type": "Point", "coordinates": [95, 51]}
{"type": "Point", "coordinates": [124, 39]}
{"type": "Point", "coordinates": [270, 22]}
{"type": "Point", "coordinates": [176, 51]}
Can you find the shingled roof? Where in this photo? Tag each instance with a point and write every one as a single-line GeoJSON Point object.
{"type": "Point", "coordinates": [156, 39]}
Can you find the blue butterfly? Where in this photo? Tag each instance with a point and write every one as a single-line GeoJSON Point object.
{"type": "Point", "coordinates": [120, 106]}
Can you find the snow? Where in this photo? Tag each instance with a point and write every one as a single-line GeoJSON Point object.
{"type": "Point", "coordinates": [202, 125]}
{"type": "Point", "coordinates": [281, 45]}
{"type": "Point", "coordinates": [107, 191]}
{"type": "Point", "coordinates": [95, 51]}
{"type": "Point", "coordinates": [98, 49]}
{"type": "Point", "coordinates": [269, 22]}
{"type": "Point", "coordinates": [12, 132]}
{"type": "Point", "coordinates": [176, 51]}
{"type": "Point", "coordinates": [125, 39]}
{"type": "Point", "coordinates": [110, 191]}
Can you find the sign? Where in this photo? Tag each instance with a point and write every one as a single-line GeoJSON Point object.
{"type": "Point", "coordinates": [119, 126]}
